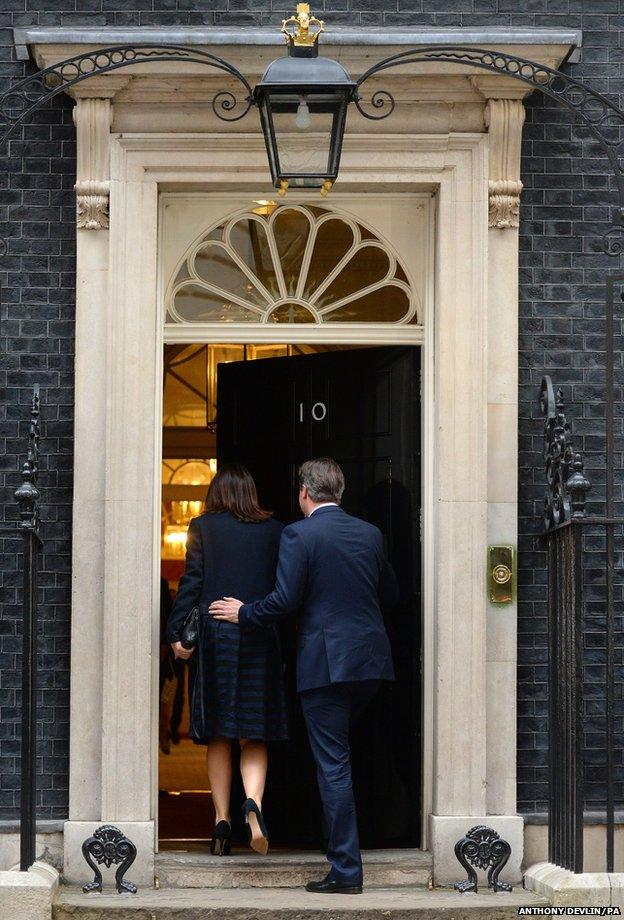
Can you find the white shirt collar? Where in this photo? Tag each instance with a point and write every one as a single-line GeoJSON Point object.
{"type": "Point", "coordinates": [322, 505]}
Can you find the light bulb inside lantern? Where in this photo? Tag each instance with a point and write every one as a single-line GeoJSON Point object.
{"type": "Point", "coordinates": [302, 119]}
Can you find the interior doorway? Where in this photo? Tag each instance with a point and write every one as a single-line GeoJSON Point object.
{"type": "Point", "coordinates": [360, 405]}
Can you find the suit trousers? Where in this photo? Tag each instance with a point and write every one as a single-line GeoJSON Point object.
{"type": "Point", "coordinates": [329, 713]}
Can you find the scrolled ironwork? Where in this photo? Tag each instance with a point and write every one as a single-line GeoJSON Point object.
{"type": "Point", "coordinates": [484, 848]}
{"type": "Point", "coordinates": [378, 100]}
{"type": "Point", "coordinates": [30, 93]}
{"type": "Point", "coordinates": [226, 102]}
{"type": "Point", "coordinates": [107, 846]}
{"type": "Point", "coordinates": [27, 494]}
{"type": "Point", "coordinates": [566, 484]}
{"type": "Point", "coordinates": [557, 455]}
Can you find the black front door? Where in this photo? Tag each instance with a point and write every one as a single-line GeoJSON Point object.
{"type": "Point", "coordinates": [361, 407]}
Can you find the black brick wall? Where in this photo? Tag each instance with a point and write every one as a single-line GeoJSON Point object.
{"type": "Point", "coordinates": [563, 209]}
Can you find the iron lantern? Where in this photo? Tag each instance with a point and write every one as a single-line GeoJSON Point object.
{"type": "Point", "coordinates": [303, 101]}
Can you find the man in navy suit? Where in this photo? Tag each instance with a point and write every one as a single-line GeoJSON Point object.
{"type": "Point", "coordinates": [332, 569]}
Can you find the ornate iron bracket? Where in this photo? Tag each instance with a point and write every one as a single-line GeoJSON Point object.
{"type": "Point", "coordinates": [596, 112]}
{"type": "Point", "coordinates": [593, 109]}
{"type": "Point", "coordinates": [566, 484]}
{"type": "Point", "coordinates": [30, 93]}
{"type": "Point", "coordinates": [484, 848]}
{"type": "Point", "coordinates": [109, 845]}
{"type": "Point", "coordinates": [600, 116]}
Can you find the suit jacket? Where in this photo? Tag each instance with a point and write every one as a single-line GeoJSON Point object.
{"type": "Point", "coordinates": [225, 557]}
{"type": "Point", "coordinates": [332, 568]}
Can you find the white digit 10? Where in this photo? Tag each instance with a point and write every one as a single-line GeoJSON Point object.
{"type": "Point", "coordinates": [318, 411]}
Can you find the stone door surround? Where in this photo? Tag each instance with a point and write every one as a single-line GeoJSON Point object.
{"type": "Point", "coordinates": [113, 756]}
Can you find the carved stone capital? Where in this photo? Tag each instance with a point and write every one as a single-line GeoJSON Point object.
{"type": "Point", "coordinates": [504, 119]}
{"type": "Point", "coordinates": [93, 120]}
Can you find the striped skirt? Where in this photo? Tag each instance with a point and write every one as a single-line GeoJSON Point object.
{"type": "Point", "coordinates": [238, 690]}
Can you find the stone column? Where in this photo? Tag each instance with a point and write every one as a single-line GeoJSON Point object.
{"type": "Point", "coordinates": [485, 790]}
{"type": "Point", "coordinates": [504, 118]}
{"type": "Point", "coordinates": [88, 682]}
{"type": "Point", "coordinates": [131, 558]}
{"type": "Point", "coordinates": [96, 732]}
{"type": "Point", "coordinates": [93, 119]}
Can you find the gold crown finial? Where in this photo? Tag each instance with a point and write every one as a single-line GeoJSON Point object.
{"type": "Point", "coordinates": [304, 28]}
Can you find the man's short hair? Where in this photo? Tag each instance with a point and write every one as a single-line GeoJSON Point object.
{"type": "Point", "coordinates": [323, 479]}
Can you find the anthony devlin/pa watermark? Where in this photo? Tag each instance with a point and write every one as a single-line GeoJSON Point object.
{"type": "Point", "coordinates": [569, 912]}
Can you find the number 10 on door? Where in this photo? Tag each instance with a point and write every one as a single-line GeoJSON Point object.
{"type": "Point", "coordinates": [318, 411]}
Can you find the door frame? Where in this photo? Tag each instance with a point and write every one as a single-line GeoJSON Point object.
{"type": "Point", "coordinates": [120, 332]}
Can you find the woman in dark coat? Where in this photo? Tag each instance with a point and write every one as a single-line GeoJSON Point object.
{"type": "Point", "coordinates": [238, 693]}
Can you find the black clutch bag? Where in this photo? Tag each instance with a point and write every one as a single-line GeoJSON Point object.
{"type": "Point", "coordinates": [190, 630]}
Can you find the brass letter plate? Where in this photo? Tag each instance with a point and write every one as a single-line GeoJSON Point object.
{"type": "Point", "coordinates": [501, 574]}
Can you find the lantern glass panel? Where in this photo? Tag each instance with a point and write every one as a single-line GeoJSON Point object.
{"type": "Point", "coordinates": [305, 133]}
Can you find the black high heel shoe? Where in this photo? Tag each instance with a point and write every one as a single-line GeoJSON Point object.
{"type": "Point", "coordinates": [221, 842]}
{"type": "Point", "coordinates": [256, 828]}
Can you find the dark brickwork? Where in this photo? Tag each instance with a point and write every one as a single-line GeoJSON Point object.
{"type": "Point", "coordinates": [561, 332]}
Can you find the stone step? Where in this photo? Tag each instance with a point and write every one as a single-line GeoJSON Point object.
{"type": "Point", "coordinates": [269, 904]}
{"type": "Point", "coordinates": [287, 869]}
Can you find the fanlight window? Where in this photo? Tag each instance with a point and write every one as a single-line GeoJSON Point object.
{"type": "Point", "coordinates": [298, 264]}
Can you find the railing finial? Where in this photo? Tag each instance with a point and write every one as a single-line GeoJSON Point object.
{"type": "Point", "coordinates": [565, 479]}
{"type": "Point", "coordinates": [578, 485]}
{"type": "Point", "coordinates": [27, 494]}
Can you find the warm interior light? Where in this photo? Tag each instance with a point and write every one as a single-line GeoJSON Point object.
{"type": "Point", "coordinates": [302, 119]}
{"type": "Point", "coordinates": [264, 207]}
{"type": "Point", "coordinates": [175, 537]}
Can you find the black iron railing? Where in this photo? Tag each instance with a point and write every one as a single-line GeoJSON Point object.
{"type": "Point", "coordinates": [565, 828]}
{"type": "Point", "coordinates": [568, 529]}
{"type": "Point", "coordinates": [27, 497]}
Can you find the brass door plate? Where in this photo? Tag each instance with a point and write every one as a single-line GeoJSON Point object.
{"type": "Point", "coordinates": [501, 574]}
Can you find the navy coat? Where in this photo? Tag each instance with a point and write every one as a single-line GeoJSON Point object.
{"type": "Point", "coordinates": [238, 690]}
{"type": "Point", "coordinates": [332, 568]}
{"type": "Point", "coordinates": [224, 558]}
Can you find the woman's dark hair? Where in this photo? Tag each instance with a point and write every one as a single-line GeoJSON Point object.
{"type": "Point", "coordinates": [233, 489]}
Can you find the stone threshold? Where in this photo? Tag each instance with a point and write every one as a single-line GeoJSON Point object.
{"type": "Point", "coordinates": [287, 869]}
{"type": "Point", "coordinates": [251, 904]}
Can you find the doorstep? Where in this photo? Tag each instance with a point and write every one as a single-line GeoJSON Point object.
{"type": "Point", "coordinates": [267, 904]}
{"type": "Point", "coordinates": [288, 869]}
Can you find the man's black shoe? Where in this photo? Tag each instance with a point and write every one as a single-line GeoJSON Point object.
{"type": "Point", "coordinates": [329, 886]}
